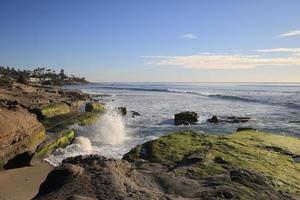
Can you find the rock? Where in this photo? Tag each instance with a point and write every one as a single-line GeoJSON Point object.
{"type": "Point", "coordinates": [294, 122]}
{"type": "Point", "coordinates": [233, 119]}
{"type": "Point", "coordinates": [134, 113]}
{"type": "Point", "coordinates": [214, 119]}
{"type": "Point", "coordinates": [186, 118]}
{"type": "Point", "coordinates": [62, 122]}
{"type": "Point", "coordinates": [122, 110]}
{"type": "Point", "coordinates": [94, 107]}
{"type": "Point", "coordinates": [247, 177]}
{"type": "Point", "coordinates": [228, 119]}
{"type": "Point", "coordinates": [51, 110]}
{"type": "Point", "coordinates": [37, 97]}
{"type": "Point", "coordinates": [245, 129]}
{"type": "Point", "coordinates": [97, 177]}
{"type": "Point", "coordinates": [20, 132]}
{"type": "Point", "coordinates": [244, 165]}
{"type": "Point", "coordinates": [57, 140]}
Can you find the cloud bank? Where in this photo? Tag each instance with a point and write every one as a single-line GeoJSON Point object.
{"type": "Point", "coordinates": [228, 61]}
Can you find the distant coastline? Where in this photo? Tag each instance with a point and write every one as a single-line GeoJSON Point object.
{"type": "Point", "coordinates": [41, 76]}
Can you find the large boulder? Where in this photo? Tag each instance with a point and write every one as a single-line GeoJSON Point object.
{"type": "Point", "coordinates": [185, 118]}
{"type": "Point", "coordinates": [122, 110]}
{"type": "Point", "coordinates": [20, 132]}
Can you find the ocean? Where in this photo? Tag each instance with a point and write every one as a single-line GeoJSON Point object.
{"type": "Point", "coordinates": [272, 107]}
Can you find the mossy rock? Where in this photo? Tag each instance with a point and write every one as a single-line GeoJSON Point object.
{"type": "Point", "coordinates": [252, 155]}
{"type": "Point", "coordinates": [61, 122]}
{"type": "Point", "coordinates": [61, 140]}
{"type": "Point", "coordinates": [185, 118]}
{"type": "Point", "coordinates": [94, 107]}
{"type": "Point", "coordinates": [51, 110]}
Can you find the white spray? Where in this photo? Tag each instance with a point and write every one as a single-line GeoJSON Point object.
{"type": "Point", "coordinates": [110, 129]}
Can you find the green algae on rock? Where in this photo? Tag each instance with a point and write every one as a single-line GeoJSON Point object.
{"type": "Point", "coordinates": [59, 140]}
{"type": "Point", "coordinates": [94, 107]}
{"type": "Point", "coordinates": [64, 121]}
{"type": "Point", "coordinates": [250, 161]}
{"type": "Point", "coordinates": [51, 110]}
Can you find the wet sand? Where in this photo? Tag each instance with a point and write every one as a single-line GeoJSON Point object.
{"type": "Point", "coordinates": [23, 183]}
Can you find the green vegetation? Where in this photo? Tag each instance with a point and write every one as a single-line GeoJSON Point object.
{"type": "Point", "coordinates": [186, 153]}
{"type": "Point", "coordinates": [41, 75]}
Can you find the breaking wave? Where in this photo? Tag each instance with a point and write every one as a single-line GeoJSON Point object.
{"type": "Point", "coordinates": [109, 131]}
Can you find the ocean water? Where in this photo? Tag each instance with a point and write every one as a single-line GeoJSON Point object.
{"type": "Point", "coordinates": [271, 107]}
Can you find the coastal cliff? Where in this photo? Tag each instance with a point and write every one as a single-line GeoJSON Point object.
{"type": "Point", "coordinates": [35, 120]}
{"type": "Point", "coordinates": [185, 165]}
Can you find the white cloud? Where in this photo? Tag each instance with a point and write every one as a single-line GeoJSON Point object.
{"type": "Point", "coordinates": [224, 61]}
{"type": "Point", "coordinates": [189, 36]}
{"type": "Point", "coordinates": [292, 50]}
{"type": "Point", "coordinates": [289, 34]}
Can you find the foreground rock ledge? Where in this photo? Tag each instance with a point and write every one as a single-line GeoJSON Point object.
{"type": "Point", "coordinates": [185, 165]}
{"type": "Point", "coordinates": [20, 132]}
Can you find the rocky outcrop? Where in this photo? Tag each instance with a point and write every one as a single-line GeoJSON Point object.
{"type": "Point", "coordinates": [94, 107]}
{"type": "Point", "coordinates": [244, 165]}
{"type": "Point", "coordinates": [55, 140]}
{"type": "Point", "coordinates": [185, 165]}
{"type": "Point", "coordinates": [122, 110]}
{"type": "Point", "coordinates": [185, 118]}
{"type": "Point", "coordinates": [20, 132]}
{"type": "Point", "coordinates": [44, 101]}
{"type": "Point", "coordinates": [135, 114]}
{"type": "Point", "coordinates": [96, 177]}
{"type": "Point", "coordinates": [53, 110]}
{"type": "Point", "coordinates": [228, 119]}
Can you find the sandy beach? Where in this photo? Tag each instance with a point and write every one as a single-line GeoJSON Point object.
{"type": "Point", "coordinates": [23, 183]}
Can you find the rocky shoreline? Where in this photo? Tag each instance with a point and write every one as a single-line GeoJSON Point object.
{"type": "Point", "coordinates": [248, 164]}
{"type": "Point", "coordinates": [185, 165]}
{"type": "Point", "coordinates": [35, 120]}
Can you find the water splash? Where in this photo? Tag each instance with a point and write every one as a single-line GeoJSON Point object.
{"type": "Point", "coordinates": [108, 132]}
{"type": "Point", "coordinates": [110, 129]}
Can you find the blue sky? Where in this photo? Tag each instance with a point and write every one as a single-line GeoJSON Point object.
{"type": "Point", "coordinates": [169, 40]}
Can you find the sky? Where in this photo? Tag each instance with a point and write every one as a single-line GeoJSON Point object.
{"type": "Point", "coordinates": [155, 41]}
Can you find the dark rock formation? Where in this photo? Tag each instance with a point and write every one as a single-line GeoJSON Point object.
{"type": "Point", "coordinates": [185, 118]}
{"type": "Point", "coordinates": [134, 113]}
{"type": "Point", "coordinates": [245, 129]}
{"type": "Point", "coordinates": [122, 110]}
{"type": "Point", "coordinates": [228, 119]}
{"type": "Point", "coordinates": [214, 119]}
